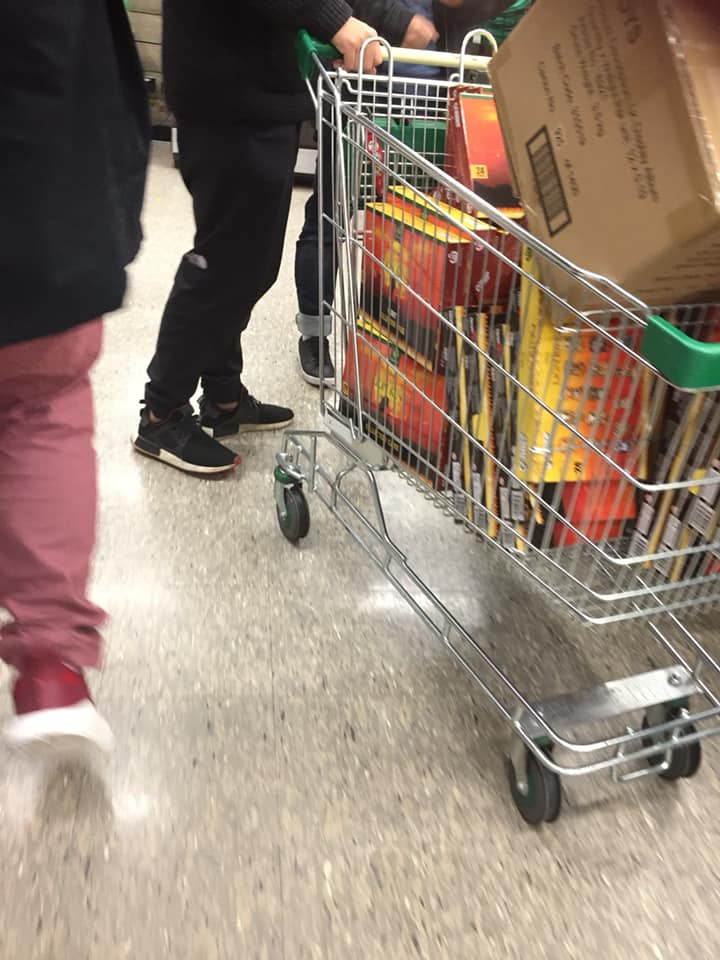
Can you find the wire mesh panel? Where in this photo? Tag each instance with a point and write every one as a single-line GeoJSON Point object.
{"type": "Point", "coordinates": [504, 381]}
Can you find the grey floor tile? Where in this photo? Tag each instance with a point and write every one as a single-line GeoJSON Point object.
{"type": "Point", "coordinates": [175, 847]}
{"type": "Point", "coordinates": [401, 902]}
{"type": "Point", "coordinates": [211, 904]}
{"type": "Point", "coordinates": [191, 770]}
{"type": "Point", "coordinates": [38, 810]}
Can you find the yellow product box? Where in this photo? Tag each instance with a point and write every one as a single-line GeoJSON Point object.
{"type": "Point", "coordinates": [588, 383]}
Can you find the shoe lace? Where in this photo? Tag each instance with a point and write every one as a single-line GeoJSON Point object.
{"type": "Point", "coordinates": [248, 400]}
{"type": "Point", "coordinates": [184, 423]}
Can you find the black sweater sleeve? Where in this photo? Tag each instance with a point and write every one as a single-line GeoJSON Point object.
{"type": "Point", "coordinates": [390, 18]}
{"type": "Point", "coordinates": [322, 18]}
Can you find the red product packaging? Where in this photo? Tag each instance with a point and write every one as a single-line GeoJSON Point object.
{"type": "Point", "coordinates": [599, 509]}
{"type": "Point", "coordinates": [419, 263]}
{"type": "Point", "coordinates": [403, 403]}
{"type": "Point", "coordinates": [490, 277]}
{"type": "Point", "coordinates": [412, 271]}
{"type": "Point", "coordinates": [474, 146]}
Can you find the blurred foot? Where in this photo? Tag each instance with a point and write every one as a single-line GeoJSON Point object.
{"type": "Point", "coordinates": [54, 710]}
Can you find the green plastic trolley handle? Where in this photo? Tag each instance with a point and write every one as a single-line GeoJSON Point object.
{"type": "Point", "coordinates": [306, 48]}
{"type": "Point", "coordinates": [687, 363]}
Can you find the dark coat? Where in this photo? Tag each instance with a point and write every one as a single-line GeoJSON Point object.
{"type": "Point", "coordinates": [454, 23]}
{"type": "Point", "coordinates": [226, 60]}
{"type": "Point", "coordinates": [73, 151]}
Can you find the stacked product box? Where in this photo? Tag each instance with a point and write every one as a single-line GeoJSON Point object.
{"type": "Point", "coordinates": [402, 401]}
{"type": "Point", "coordinates": [687, 445]}
{"type": "Point", "coordinates": [474, 146]}
{"type": "Point", "coordinates": [471, 443]}
{"type": "Point", "coordinates": [686, 518]}
{"type": "Point", "coordinates": [599, 398]}
{"type": "Point", "coordinates": [423, 258]}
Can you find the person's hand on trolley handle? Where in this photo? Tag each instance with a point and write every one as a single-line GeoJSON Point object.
{"type": "Point", "coordinates": [349, 40]}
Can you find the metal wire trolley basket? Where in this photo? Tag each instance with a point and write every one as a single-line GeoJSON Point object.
{"type": "Point", "coordinates": [573, 428]}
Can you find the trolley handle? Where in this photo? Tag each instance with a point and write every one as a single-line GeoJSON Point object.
{"type": "Point", "coordinates": [308, 50]}
{"type": "Point", "coordinates": [686, 363]}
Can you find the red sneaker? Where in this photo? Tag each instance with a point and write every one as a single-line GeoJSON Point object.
{"type": "Point", "coordinates": [53, 708]}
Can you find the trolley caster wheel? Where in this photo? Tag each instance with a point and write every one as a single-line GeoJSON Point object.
{"type": "Point", "coordinates": [540, 799]}
{"type": "Point", "coordinates": [295, 520]}
{"type": "Point", "coordinates": [685, 759]}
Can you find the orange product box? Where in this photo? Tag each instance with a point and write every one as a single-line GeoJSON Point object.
{"type": "Point", "coordinates": [474, 145]}
{"type": "Point", "coordinates": [490, 277]}
{"type": "Point", "coordinates": [599, 509]}
{"type": "Point", "coordinates": [403, 403]}
{"type": "Point", "coordinates": [414, 269]}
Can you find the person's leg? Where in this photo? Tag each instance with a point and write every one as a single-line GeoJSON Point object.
{"type": "Point", "coordinates": [222, 384]}
{"type": "Point", "coordinates": [240, 178]}
{"type": "Point", "coordinates": [226, 407]}
{"type": "Point", "coordinates": [47, 530]}
{"type": "Point", "coordinates": [313, 319]}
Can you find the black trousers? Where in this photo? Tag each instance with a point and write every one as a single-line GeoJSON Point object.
{"type": "Point", "coordinates": [307, 249]}
{"type": "Point", "coordinates": [240, 177]}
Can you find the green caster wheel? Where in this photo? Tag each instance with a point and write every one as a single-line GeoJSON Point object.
{"type": "Point", "coordinates": [685, 758]}
{"type": "Point", "coordinates": [295, 519]}
{"type": "Point", "coordinates": [539, 800]}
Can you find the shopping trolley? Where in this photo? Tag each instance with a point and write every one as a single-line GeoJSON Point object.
{"type": "Point", "coordinates": [573, 428]}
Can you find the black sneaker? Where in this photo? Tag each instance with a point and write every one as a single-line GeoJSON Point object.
{"type": "Point", "coordinates": [309, 355]}
{"type": "Point", "coordinates": [249, 415]}
{"type": "Point", "coordinates": [179, 441]}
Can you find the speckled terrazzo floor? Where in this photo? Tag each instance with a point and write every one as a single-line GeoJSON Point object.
{"type": "Point", "coordinates": [301, 770]}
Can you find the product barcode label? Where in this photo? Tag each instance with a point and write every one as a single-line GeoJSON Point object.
{"type": "Point", "coordinates": [647, 512]}
{"type": "Point", "coordinates": [710, 493]}
{"type": "Point", "coordinates": [456, 479]}
{"type": "Point", "coordinates": [522, 452]}
{"type": "Point", "coordinates": [517, 505]}
{"type": "Point", "coordinates": [701, 516]}
{"type": "Point", "coordinates": [672, 533]}
{"type": "Point", "coordinates": [479, 515]}
{"type": "Point", "coordinates": [507, 538]}
{"type": "Point", "coordinates": [548, 182]}
{"type": "Point", "coordinates": [638, 545]}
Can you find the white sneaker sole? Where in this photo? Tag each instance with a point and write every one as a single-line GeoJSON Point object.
{"type": "Point", "coordinates": [66, 731]}
{"type": "Point", "coordinates": [164, 456]}
{"type": "Point", "coordinates": [249, 428]}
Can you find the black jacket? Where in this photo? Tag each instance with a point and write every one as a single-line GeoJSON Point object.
{"type": "Point", "coordinates": [228, 60]}
{"type": "Point", "coordinates": [454, 23]}
{"type": "Point", "coordinates": [73, 151]}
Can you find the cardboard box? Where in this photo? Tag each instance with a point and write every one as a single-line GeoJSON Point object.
{"type": "Point", "coordinates": [403, 403]}
{"type": "Point", "coordinates": [611, 117]}
{"type": "Point", "coordinates": [474, 144]}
